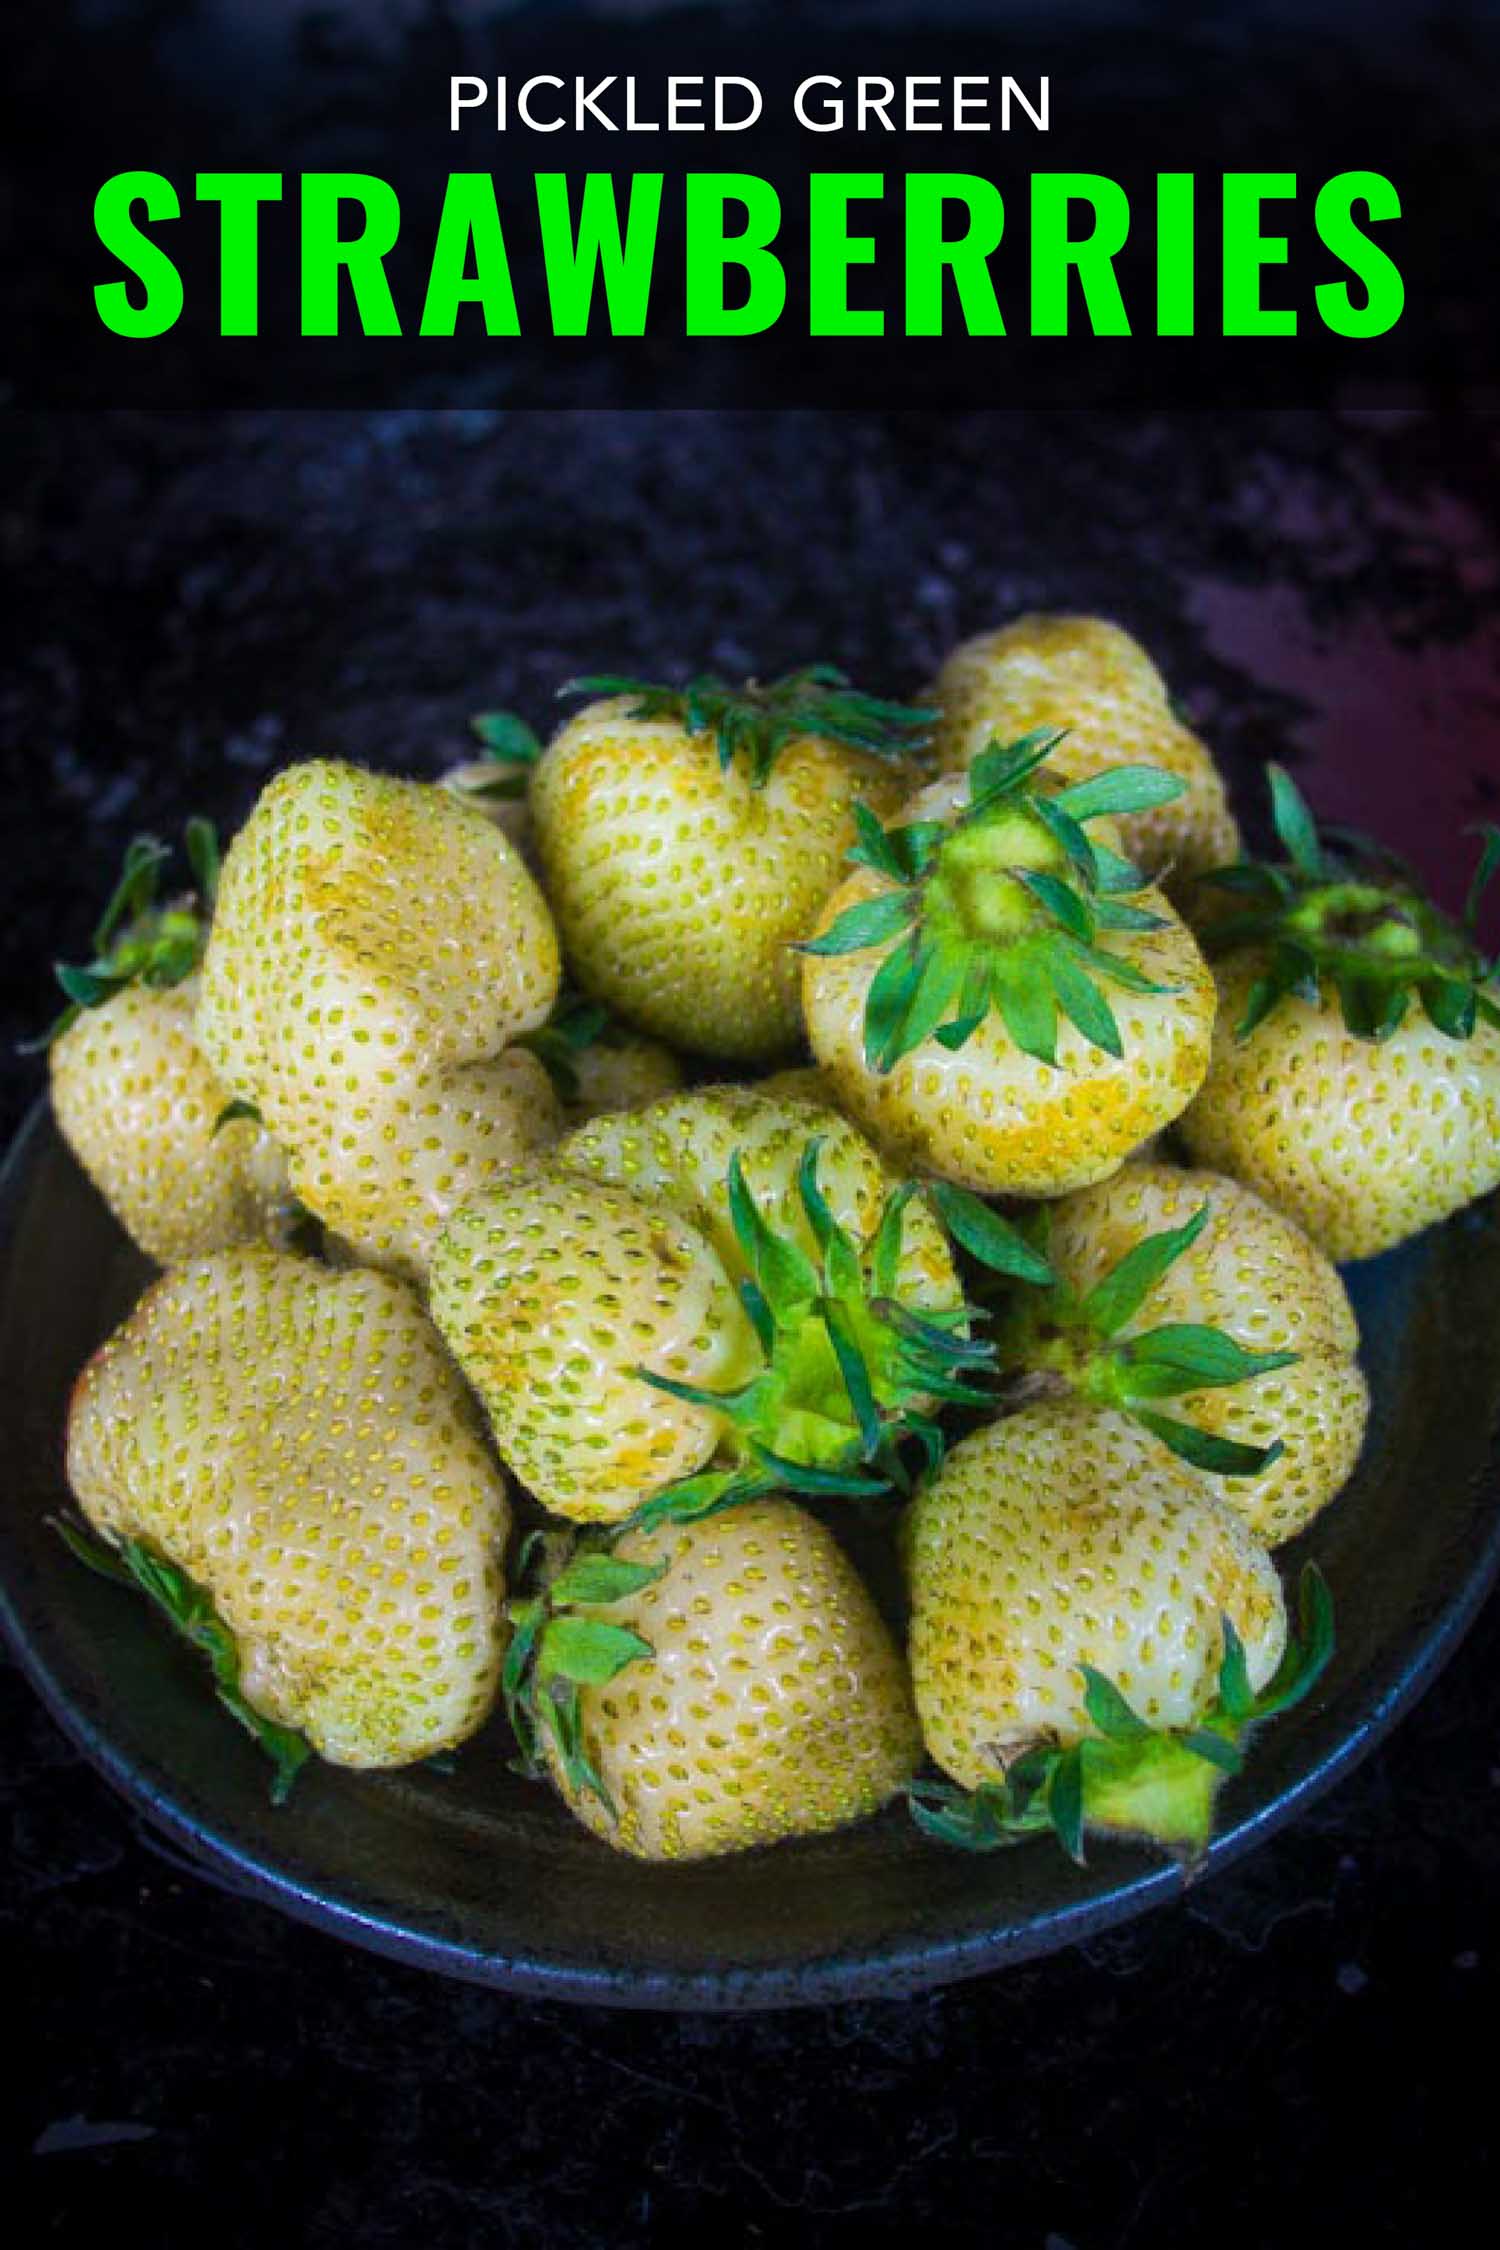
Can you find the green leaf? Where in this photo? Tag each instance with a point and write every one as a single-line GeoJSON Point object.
{"type": "Point", "coordinates": [1065, 1803]}
{"type": "Point", "coordinates": [1216, 1748]}
{"type": "Point", "coordinates": [1186, 1356]}
{"type": "Point", "coordinates": [936, 990]}
{"type": "Point", "coordinates": [1115, 914]}
{"type": "Point", "coordinates": [871, 921]}
{"type": "Point", "coordinates": [986, 1236]}
{"type": "Point", "coordinates": [1220, 1456]}
{"type": "Point", "coordinates": [892, 990]}
{"type": "Point", "coordinates": [1451, 1005]}
{"type": "Point", "coordinates": [1108, 1709]}
{"type": "Point", "coordinates": [1084, 1004]}
{"type": "Point", "coordinates": [201, 841]}
{"type": "Point", "coordinates": [801, 1476]}
{"type": "Point", "coordinates": [885, 1251]}
{"type": "Point", "coordinates": [1121, 790]}
{"type": "Point", "coordinates": [1309, 1653]}
{"type": "Point", "coordinates": [587, 1650]}
{"type": "Point", "coordinates": [1117, 874]}
{"type": "Point", "coordinates": [783, 1273]}
{"type": "Point", "coordinates": [873, 847]}
{"type": "Point", "coordinates": [601, 1578]}
{"type": "Point", "coordinates": [1295, 824]}
{"type": "Point", "coordinates": [506, 738]}
{"type": "Point", "coordinates": [190, 1609]}
{"type": "Point", "coordinates": [1236, 1695]}
{"type": "Point", "coordinates": [145, 856]}
{"type": "Point", "coordinates": [1124, 1289]}
{"type": "Point", "coordinates": [1067, 832]}
{"type": "Point", "coordinates": [1000, 768]}
{"type": "Point", "coordinates": [856, 1377]}
{"type": "Point", "coordinates": [1484, 873]}
{"type": "Point", "coordinates": [1027, 1007]}
{"type": "Point", "coordinates": [1059, 899]}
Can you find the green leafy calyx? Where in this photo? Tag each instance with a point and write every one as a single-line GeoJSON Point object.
{"type": "Point", "coordinates": [1012, 908]}
{"type": "Point", "coordinates": [559, 1644]}
{"type": "Point", "coordinates": [132, 1562]}
{"type": "Point", "coordinates": [1086, 1344]}
{"type": "Point", "coordinates": [1128, 1777]}
{"type": "Point", "coordinates": [1342, 916]}
{"type": "Point", "coordinates": [142, 938]}
{"type": "Point", "coordinates": [849, 1371]}
{"type": "Point", "coordinates": [757, 719]}
{"type": "Point", "coordinates": [510, 749]}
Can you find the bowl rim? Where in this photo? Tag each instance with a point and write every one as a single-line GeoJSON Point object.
{"type": "Point", "coordinates": [887, 1968]}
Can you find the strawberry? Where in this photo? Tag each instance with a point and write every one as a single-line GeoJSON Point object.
{"type": "Point", "coordinates": [707, 1687]}
{"type": "Point", "coordinates": [955, 988]}
{"type": "Point", "coordinates": [1091, 680]}
{"type": "Point", "coordinates": [1092, 1634]}
{"type": "Point", "coordinates": [688, 836]}
{"type": "Point", "coordinates": [1185, 1287]}
{"type": "Point", "coordinates": [376, 950]}
{"type": "Point", "coordinates": [721, 1288]}
{"type": "Point", "coordinates": [1355, 1076]}
{"type": "Point", "coordinates": [141, 1110]}
{"type": "Point", "coordinates": [132, 1094]}
{"type": "Point", "coordinates": [286, 1458]}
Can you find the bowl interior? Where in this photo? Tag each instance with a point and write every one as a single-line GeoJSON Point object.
{"type": "Point", "coordinates": [480, 1874]}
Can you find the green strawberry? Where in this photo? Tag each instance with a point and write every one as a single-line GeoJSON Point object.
{"type": "Point", "coordinates": [1184, 1299]}
{"type": "Point", "coordinates": [287, 1460]}
{"type": "Point", "coordinates": [376, 950]}
{"type": "Point", "coordinates": [688, 837]}
{"type": "Point", "coordinates": [1092, 1633]}
{"type": "Point", "coordinates": [131, 1092]}
{"type": "Point", "coordinates": [721, 1288]}
{"type": "Point", "coordinates": [708, 1687]}
{"type": "Point", "coordinates": [1089, 679]}
{"type": "Point", "coordinates": [994, 995]}
{"type": "Point", "coordinates": [1355, 1074]}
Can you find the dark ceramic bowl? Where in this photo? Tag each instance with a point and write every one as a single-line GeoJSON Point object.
{"type": "Point", "coordinates": [479, 1875]}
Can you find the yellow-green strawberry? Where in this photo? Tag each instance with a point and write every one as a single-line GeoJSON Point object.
{"type": "Point", "coordinates": [131, 1092]}
{"type": "Point", "coordinates": [1091, 1633]}
{"type": "Point", "coordinates": [1186, 1300]}
{"type": "Point", "coordinates": [1355, 1076]}
{"type": "Point", "coordinates": [377, 949]}
{"type": "Point", "coordinates": [720, 1288]}
{"type": "Point", "coordinates": [1089, 678]}
{"type": "Point", "coordinates": [286, 1459]}
{"type": "Point", "coordinates": [688, 837]}
{"type": "Point", "coordinates": [994, 993]}
{"type": "Point", "coordinates": [707, 1687]}
{"type": "Point", "coordinates": [141, 1110]}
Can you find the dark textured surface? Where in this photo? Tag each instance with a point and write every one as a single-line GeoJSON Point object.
{"type": "Point", "coordinates": [1284, 2053]}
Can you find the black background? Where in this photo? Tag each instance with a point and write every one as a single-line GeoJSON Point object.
{"type": "Point", "coordinates": [179, 86]}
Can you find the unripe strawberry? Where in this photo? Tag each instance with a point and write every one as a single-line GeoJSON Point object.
{"type": "Point", "coordinates": [286, 1458]}
{"type": "Point", "coordinates": [689, 837]}
{"type": "Point", "coordinates": [1355, 1074]}
{"type": "Point", "coordinates": [739, 1687]}
{"type": "Point", "coordinates": [376, 948]}
{"type": "Point", "coordinates": [1235, 1345]}
{"type": "Point", "coordinates": [1091, 1632]}
{"type": "Point", "coordinates": [140, 1109]}
{"type": "Point", "coordinates": [994, 995]}
{"type": "Point", "coordinates": [132, 1094]}
{"type": "Point", "coordinates": [1089, 678]}
{"type": "Point", "coordinates": [721, 1288]}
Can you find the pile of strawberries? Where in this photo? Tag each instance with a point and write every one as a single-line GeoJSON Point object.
{"type": "Point", "coordinates": [522, 1342]}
